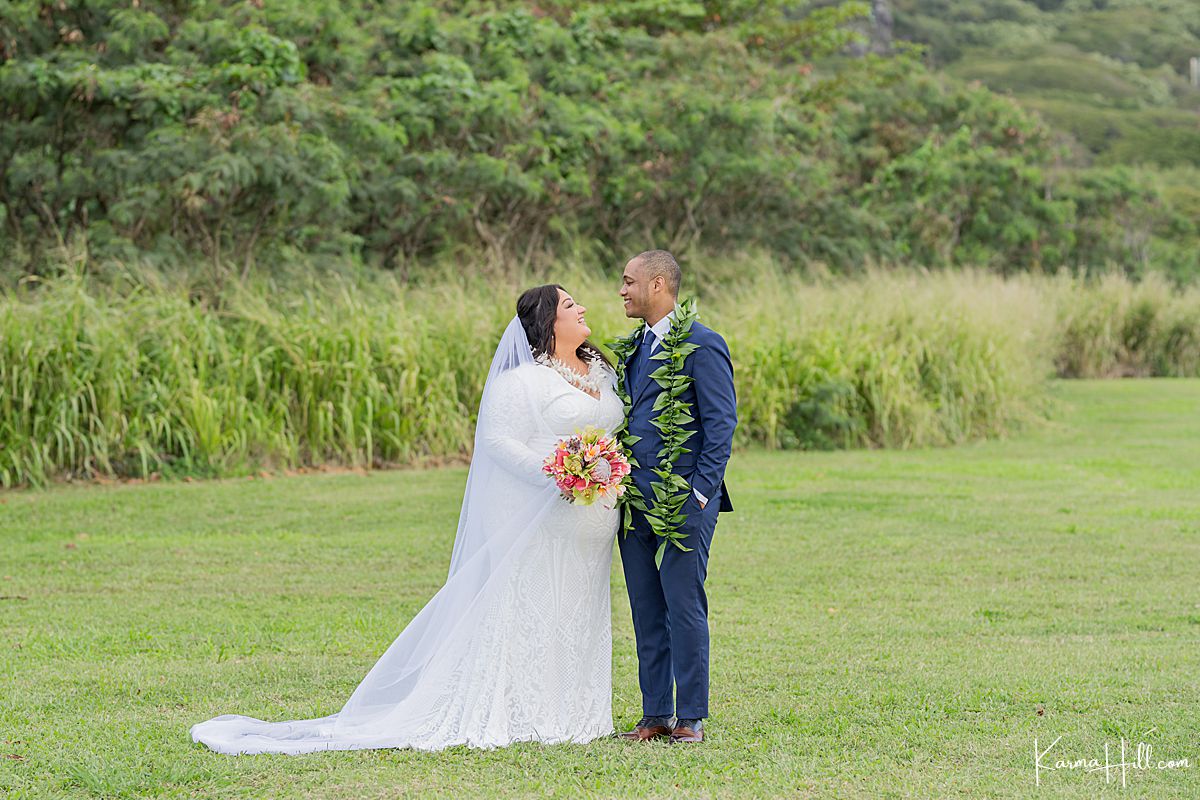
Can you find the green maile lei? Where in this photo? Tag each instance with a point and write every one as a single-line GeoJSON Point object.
{"type": "Point", "coordinates": [670, 490]}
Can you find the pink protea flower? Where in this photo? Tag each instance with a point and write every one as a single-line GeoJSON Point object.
{"type": "Point", "coordinates": [602, 470]}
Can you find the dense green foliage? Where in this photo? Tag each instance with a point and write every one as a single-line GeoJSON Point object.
{"type": "Point", "coordinates": [1120, 63]}
{"type": "Point", "coordinates": [1112, 74]}
{"type": "Point", "coordinates": [884, 625]}
{"type": "Point", "coordinates": [146, 381]}
{"type": "Point", "coordinates": [251, 133]}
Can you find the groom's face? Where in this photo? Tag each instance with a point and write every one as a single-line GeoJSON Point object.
{"type": "Point", "coordinates": [635, 290]}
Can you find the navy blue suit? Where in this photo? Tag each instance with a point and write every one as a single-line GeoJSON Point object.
{"type": "Point", "coordinates": [670, 608]}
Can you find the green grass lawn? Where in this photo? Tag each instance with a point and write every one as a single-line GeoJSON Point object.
{"type": "Point", "coordinates": [885, 624]}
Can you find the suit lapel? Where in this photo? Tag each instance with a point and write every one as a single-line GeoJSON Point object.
{"type": "Point", "coordinates": [644, 378]}
{"type": "Point", "coordinates": [629, 387]}
{"type": "Point", "coordinates": [629, 380]}
{"type": "Point", "coordinates": [643, 381]}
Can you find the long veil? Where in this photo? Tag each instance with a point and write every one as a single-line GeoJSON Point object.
{"type": "Point", "coordinates": [402, 701]}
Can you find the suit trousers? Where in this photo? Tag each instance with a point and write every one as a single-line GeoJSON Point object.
{"type": "Point", "coordinates": [670, 611]}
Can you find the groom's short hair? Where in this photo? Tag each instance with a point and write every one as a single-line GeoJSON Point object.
{"type": "Point", "coordinates": [660, 262]}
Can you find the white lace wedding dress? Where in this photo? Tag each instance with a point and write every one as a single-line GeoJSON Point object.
{"type": "Point", "coordinates": [517, 646]}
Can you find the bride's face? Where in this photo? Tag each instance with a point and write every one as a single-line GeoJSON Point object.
{"type": "Point", "coordinates": [569, 326]}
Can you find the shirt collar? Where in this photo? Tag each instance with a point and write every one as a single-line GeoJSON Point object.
{"type": "Point", "coordinates": [663, 326]}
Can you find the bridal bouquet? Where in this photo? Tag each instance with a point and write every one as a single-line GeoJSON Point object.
{"type": "Point", "coordinates": [588, 466]}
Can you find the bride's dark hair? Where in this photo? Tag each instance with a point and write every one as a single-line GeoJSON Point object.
{"type": "Point", "coordinates": [537, 308]}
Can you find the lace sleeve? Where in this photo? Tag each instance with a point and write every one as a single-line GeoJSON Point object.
{"type": "Point", "coordinates": [507, 424]}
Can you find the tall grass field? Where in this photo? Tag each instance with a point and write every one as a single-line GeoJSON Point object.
{"type": "Point", "coordinates": [157, 381]}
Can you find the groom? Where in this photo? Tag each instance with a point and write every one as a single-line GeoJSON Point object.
{"type": "Point", "coordinates": [670, 609]}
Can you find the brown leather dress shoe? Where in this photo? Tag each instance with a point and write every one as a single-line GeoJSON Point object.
{"type": "Point", "coordinates": [650, 728]}
{"type": "Point", "coordinates": [688, 731]}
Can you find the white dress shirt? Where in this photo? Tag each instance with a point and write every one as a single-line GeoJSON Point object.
{"type": "Point", "coordinates": [661, 329]}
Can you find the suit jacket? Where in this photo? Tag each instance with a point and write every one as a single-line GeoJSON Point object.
{"type": "Point", "coordinates": [714, 408]}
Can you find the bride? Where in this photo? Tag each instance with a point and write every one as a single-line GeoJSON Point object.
{"type": "Point", "coordinates": [517, 645]}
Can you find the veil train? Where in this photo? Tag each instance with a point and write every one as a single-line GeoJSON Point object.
{"type": "Point", "coordinates": [399, 701]}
